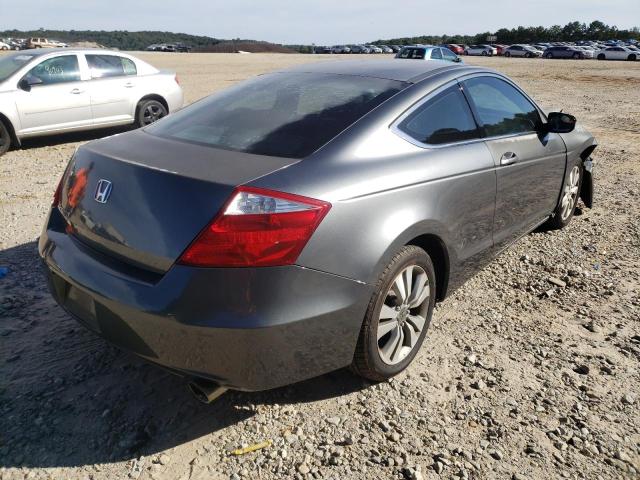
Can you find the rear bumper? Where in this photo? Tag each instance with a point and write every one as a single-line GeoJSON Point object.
{"type": "Point", "coordinates": [245, 328]}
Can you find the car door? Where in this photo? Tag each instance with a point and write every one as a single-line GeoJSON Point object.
{"type": "Point", "coordinates": [113, 88]}
{"type": "Point", "coordinates": [463, 197]}
{"type": "Point", "coordinates": [529, 166]}
{"type": "Point", "coordinates": [57, 98]}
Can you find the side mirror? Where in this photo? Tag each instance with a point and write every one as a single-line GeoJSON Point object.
{"type": "Point", "coordinates": [29, 81]}
{"type": "Point", "coordinates": [558, 122]}
{"type": "Point", "coordinates": [458, 60]}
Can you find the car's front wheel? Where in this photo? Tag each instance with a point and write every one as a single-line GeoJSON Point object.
{"type": "Point", "coordinates": [601, 56]}
{"type": "Point", "coordinates": [549, 55]}
{"type": "Point", "coordinates": [149, 111]}
{"type": "Point", "coordinates": [631, 57]}
{"type": "Point", "coordinates": [398, 316]}
{"type": "Point", "coordinates": [568, 199]}
{"type": "Point", "coordinates": [5, 138]}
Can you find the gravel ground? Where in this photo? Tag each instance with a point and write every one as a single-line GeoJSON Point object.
{"type": "Point", "coordinates": [530, 371]}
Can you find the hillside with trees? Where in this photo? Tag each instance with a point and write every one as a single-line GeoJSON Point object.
{"type": "Point", "coordinates": [571, 32]}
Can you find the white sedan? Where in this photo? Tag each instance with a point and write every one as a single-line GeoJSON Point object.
{"type": "Point", "coordinates": [484, 50]}
{"type": "Point", "coordinates": [4, 46]}
{"type": "Point", "coordinates": [617, 53]}
{"type": "Point", "coordinates": [49, 91]}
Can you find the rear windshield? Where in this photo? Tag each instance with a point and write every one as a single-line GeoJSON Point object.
{"type": "Point", "coordinates": [10, 64]}
{"type": "Point", "coordinates": [281, 114]}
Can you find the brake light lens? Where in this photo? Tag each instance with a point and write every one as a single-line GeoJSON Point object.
{"type": "Point", "coordinates": [177, 79]}
{"type": "Point", "coordinates": [257, 228]}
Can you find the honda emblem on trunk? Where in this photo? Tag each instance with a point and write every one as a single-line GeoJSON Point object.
{"type": "Point", "coordinates": [103, 190]}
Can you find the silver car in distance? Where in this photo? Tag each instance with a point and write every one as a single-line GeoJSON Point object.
{"type": "Point", "coordinates": [49, 91]}
{"type": "Point", "coordinates": [306, 220]}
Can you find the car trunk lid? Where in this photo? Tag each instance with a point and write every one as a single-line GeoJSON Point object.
{"type": "Point", "coordinates": [143, 199]}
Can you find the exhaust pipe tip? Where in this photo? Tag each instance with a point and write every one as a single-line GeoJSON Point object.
{"type": "Point", "coordinates": [205, 391]}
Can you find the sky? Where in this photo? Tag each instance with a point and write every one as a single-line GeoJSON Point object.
{"type": "Point", "coordinates": [305, 22]}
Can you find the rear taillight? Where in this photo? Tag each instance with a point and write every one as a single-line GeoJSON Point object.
{"type": "Point", "coordinates": [177, 79]}
{"type": "Point", "coordinates": [257, 228]}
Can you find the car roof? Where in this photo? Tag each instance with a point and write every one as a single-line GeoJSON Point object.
{"type": "Point", "coordinates": [411, 72]}
{"type": "Point", "coordinates": [40, 52]}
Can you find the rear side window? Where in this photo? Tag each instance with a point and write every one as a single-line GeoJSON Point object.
{"type": "Point", "coordinates": [104, 66]}
{"type": "Point", "coordinates": [449, 55]}
{"type": "Point", "coordinates": [57, 70]}
{"type": "Point", "coordinates": [501, 108]}
{"type": "Point", "coordinates": [435, 54]}
{"type": "Point", "coordinates": [281, 114]}
{"type": "Point", "coordinates": [445, 118]}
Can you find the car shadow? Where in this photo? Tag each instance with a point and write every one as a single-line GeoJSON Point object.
{"type": "Point", "coordinates": [68, 399]}
{"type": "Point", "coordinates": [72, 137]}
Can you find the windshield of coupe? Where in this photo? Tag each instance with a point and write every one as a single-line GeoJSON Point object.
{"type": "Point", "coordinates": [281, 114]}
{"type": "Point", "coordinates": [10, 64]}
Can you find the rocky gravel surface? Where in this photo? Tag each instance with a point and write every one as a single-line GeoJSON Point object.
{"type": "Point", "coordinates": [530, 371]}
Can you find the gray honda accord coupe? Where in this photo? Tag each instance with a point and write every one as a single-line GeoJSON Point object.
{"type": "Point", "coordinates": [306, 220]}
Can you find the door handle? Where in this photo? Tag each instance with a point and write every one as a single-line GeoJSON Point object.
{"type": "Point", "coordinates": [129, 85]}
{"type": "Point", "coordinates": [508, 158]}
{"type": "Point", "coordinates": [76, 91]}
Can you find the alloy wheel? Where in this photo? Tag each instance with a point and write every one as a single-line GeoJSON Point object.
{"type": "Point", "coordinates": [570, 193]}
{"type": "Point", "coordinates": [152, 113]}
{"type": "Point", "coordinates": [403, 314]}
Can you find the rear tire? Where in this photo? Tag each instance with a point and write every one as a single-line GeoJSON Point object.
{"type": "Point", "coordinates": [549, 56]}
{"type": "Point", "coordinates": [5, 138]}
{"type": "Point", "coordinates": [396, 323]}
{"type": "Point", "coordinates": [631, 57]}
{"type": "Point", "coordinates": [148, 112]}
{"type": "Point", "coordinates": [569, 197]}
{"type": "Point", "coordinates": [507, 54]}
{"type": "Point", "coordinates": [484, 53]}
{"type": "Point", "coordinates": [601, 56]}
{"type": "Point", "coordinates": [576, 56]}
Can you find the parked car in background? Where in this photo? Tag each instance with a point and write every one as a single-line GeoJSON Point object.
{"type": "Point", "coordinates": [564, 51]}
{"type": "Point", "coordinates": [499, 48]}
{"type": "Point", "coordinates": [4, 46]}
{"type": "Point", "coordinates": [395, 48]}
{"type": "Point", "coordinates": [428, 52]}
{"type": "Point", "coordinates": [374, 49]}
{"type": "Point", "coordinates": [522, 51]}
{"type": "Point", "coordinates": [617, 53]}
{"type": "Point", "coordinates": [181, 47]}
{"type": "Point", "coordinates": [43, 43]}
{"type": "Point", "coordinates": [359, 49]}
{"type": "Point", "coordinates": [454, 47]}
{"type": "Point", "coordinates": [321, 49]}
{"type": "Point", "coordinates": [588, 51]}
{"type": "Point", "coordinates": [207, 242]}
{"type": "Point", "coordinates": [49, 91]}
{"type": "Point", "coordinates": [340, 49]}
{"type": "Point", "coordinates": [385, 48]}
{"type": "Point", "coordinates": [484, 50]}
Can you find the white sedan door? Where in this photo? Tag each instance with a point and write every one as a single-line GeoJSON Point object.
{"type": "Point", "coordinates": [57, 98]}
{"type": "Point", "coordinates": [113, 88]}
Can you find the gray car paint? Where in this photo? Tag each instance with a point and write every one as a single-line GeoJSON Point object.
{"type": "Point", "coordinates": [257, 328]}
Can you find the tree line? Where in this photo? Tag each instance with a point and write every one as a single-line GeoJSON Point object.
{"type": "Point", "coordinates": [571, 32]}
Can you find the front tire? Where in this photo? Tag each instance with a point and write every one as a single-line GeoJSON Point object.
{"type": "Point", "coordinates": [631, 57]}
{"type": "Point", "coordinates": [149, 111]}
{"type": "Point", "coordinates": [601, 56]}
{"type": "Point", "coordinates": [5, 138]}
{"type": "Point", "coordinates": [507, 54]}
{"type": "Point", "coordinates": [398, 316]}
{"type": "Point", "coordinates": [568, 200]}
{"type": "Point", "coordinates": [549, 56]}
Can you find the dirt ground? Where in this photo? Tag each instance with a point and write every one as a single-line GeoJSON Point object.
{"type": "Point", "coordinates": [520, 377]}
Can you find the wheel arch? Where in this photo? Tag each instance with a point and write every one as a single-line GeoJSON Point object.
{"type": "Point", "coordinates": [437, 250]}
{"type": "Point", "coordinates": [153, 96]}
{"type": "Point", "coordinates": [12, 131]}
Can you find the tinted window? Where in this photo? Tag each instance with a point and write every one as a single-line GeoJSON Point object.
{"type": "Point", "coordinates": [501, 108]}
{"type": "Point", "coordinates": [103, 66]}
{"type": "Point", "coordinates": [282, 114]}
{"type": "Point", "coordinates": [57, 70]}
{"type": "Point", "coordinates": [435, 54]}
{"type": "Point", "coordinates": [449, 55]}
{"type": "Point", "coordinates": [445, 118]}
